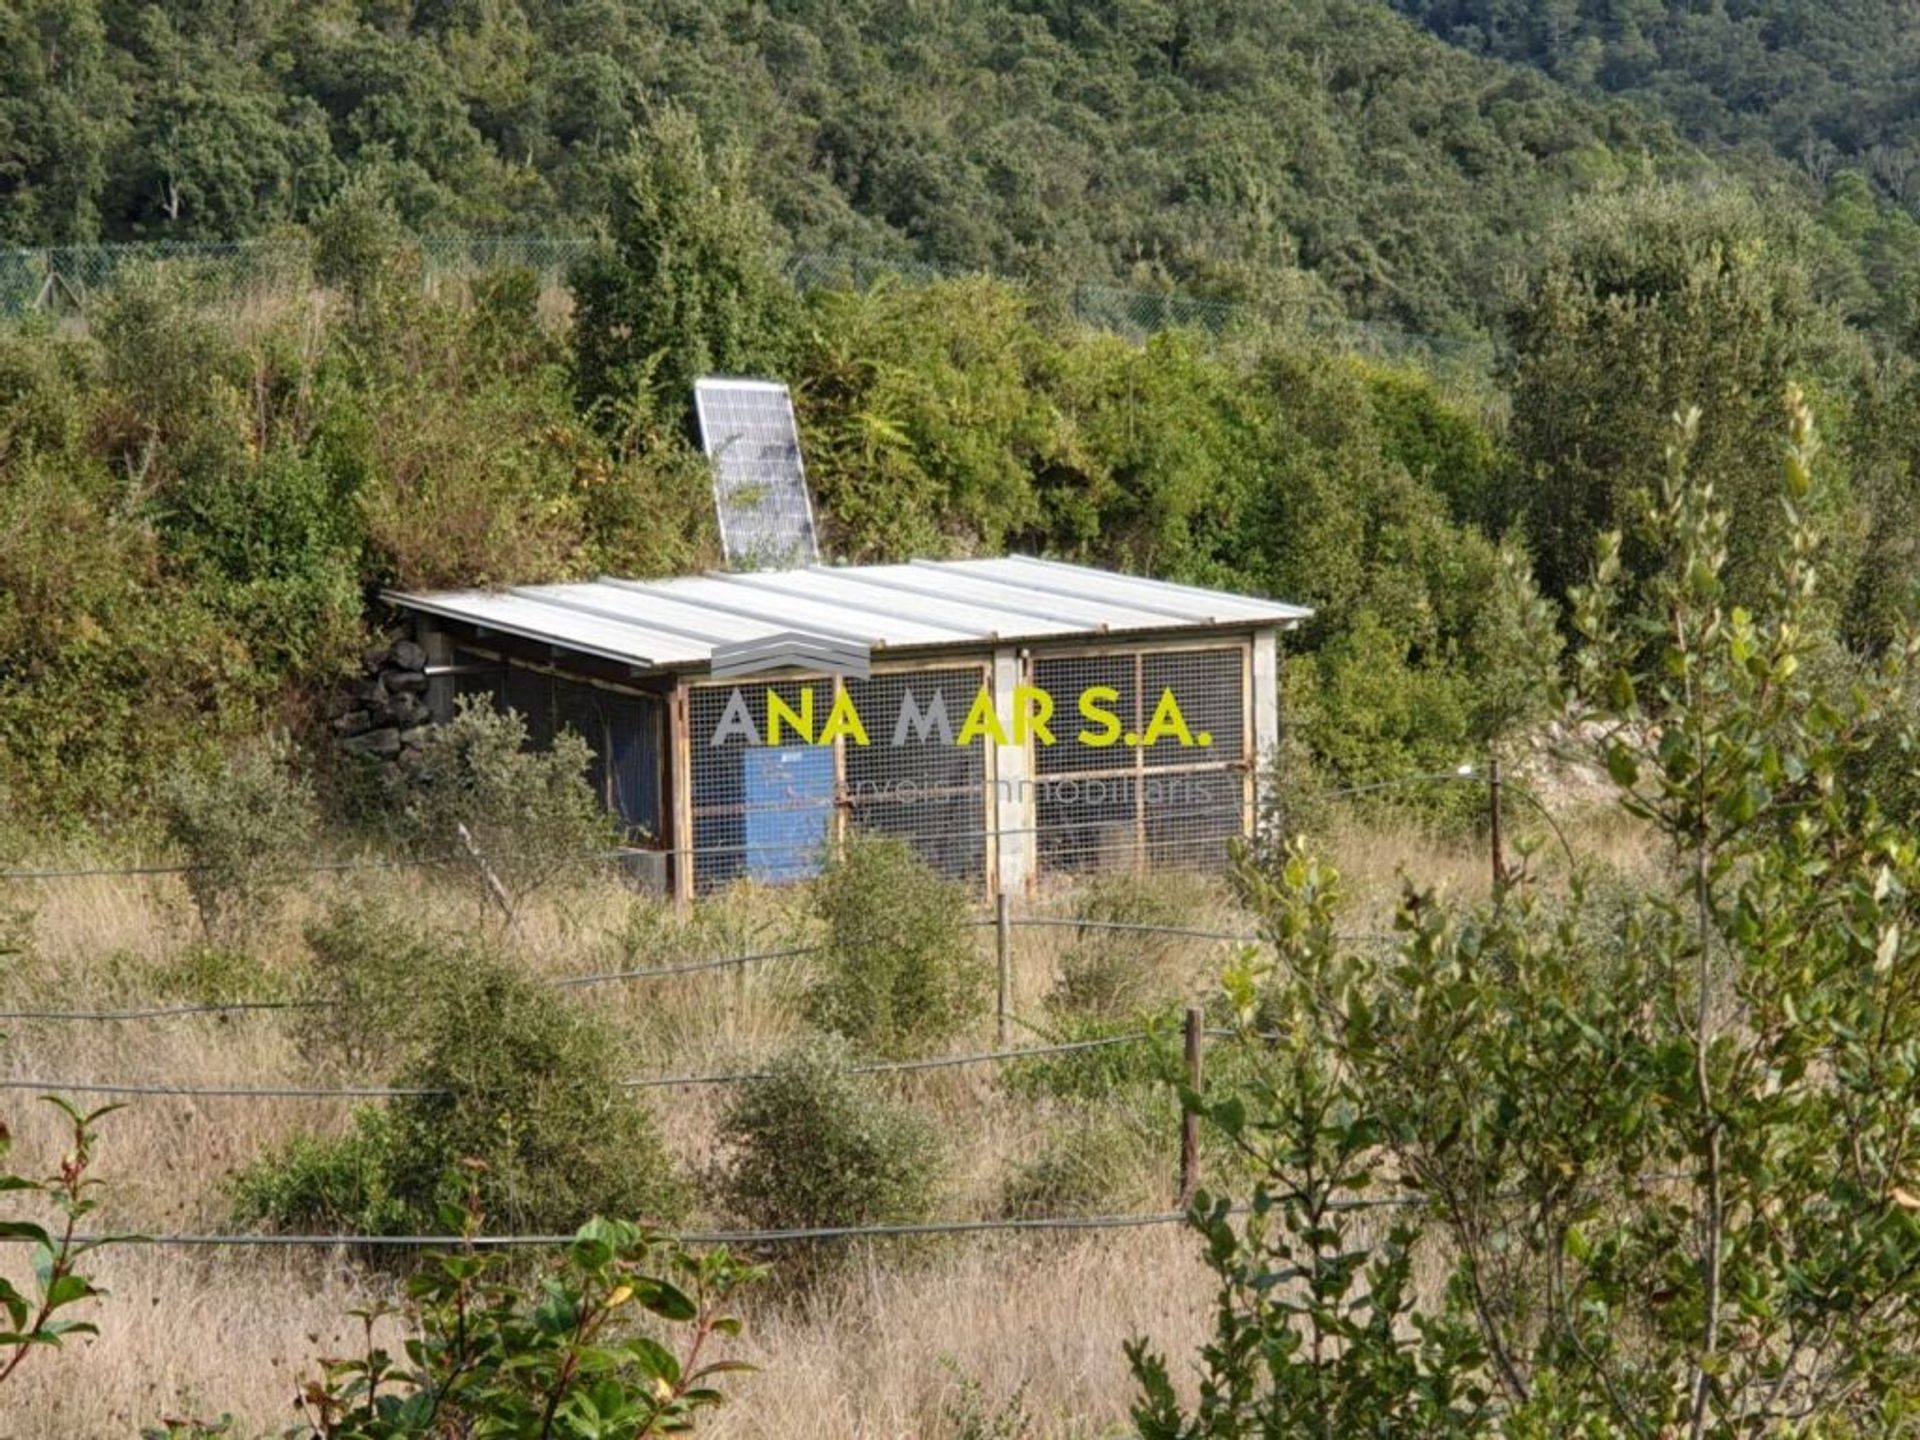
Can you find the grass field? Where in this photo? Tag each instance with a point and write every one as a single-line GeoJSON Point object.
{"type": "Point", "coordinates": [975, 1336]}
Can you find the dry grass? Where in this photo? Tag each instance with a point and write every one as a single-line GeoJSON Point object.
{"type": "Point", "coordinates": [921, 1340]}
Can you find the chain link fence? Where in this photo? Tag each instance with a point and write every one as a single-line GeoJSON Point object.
{"type": "Point", "coordinates": [66, 279]}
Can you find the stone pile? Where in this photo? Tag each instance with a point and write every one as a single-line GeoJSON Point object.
{"type": "Point", "coordinates": [383, 715]}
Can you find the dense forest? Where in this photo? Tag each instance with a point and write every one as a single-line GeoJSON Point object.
{"type": "Point", "coordinates": [1318, 152]}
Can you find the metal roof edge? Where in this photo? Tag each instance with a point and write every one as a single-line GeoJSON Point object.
{"type": "Point", "coordinates": [1168, 587]}
{"type": "Point", "coordinates": [409, 601]}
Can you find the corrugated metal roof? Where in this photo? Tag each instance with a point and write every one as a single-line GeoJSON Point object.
{"type": "Point", "coordinates": [928, 604]}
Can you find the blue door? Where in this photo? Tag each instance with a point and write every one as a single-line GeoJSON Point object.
{"type": "Point", "coordinates": [789, 804]}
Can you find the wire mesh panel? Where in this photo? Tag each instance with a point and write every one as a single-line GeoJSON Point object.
{"type": "Point", "coordinates": [911, 779]}
{"type": "Point", "coordinates": [760, 811]}
{"type": "Point", "coordinates": [1141, 780]}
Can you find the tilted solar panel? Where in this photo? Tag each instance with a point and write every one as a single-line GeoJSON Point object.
{"type": "Point", "coordinates": [759, 483]}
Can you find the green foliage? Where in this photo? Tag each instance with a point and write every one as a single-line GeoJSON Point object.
{"type": "Point", "coordinates": [247, 832]}
{"type": "Point", "coordinates": [683, 287]}
{"type": "Point", "coordinates": [1662, 1149]}
{"type": "Point", "coordinates": [518, 1078]}
{"type": "Point", "coordinates": [1640, 309]}
{"type": "Point", "coordinates": [561, 1358]}
{"type": "Point", "coordinates": [337, 1183]}
{"type": "Point", "coordinates": [355, 239]}
{"type": "Point", "coordinates": [513, 820]}
{"type": "Point", "coordinates": [32, 1319]}
{"type": "Point", "coordinates": [900, 973]}
{"type": "Point", "coordinates": [812, 1143]}
{"type": "Point", "coordinates": [1125, 145]}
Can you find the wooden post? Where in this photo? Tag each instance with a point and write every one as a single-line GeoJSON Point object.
{"type": "Point", "coordinates": [1189, 1120]}
{"type": "Point", "coordinates": [1493, 822]}
{"type": "Point", "coordinates": [1003, 941]}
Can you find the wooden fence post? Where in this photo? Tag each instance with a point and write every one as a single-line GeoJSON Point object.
{"type": "Point", "coordinates": [1493, 822]}
{"type": "Point", "coordinates": [1189, 1120]}
{"type": "Point", "coordinates": [1003, 941]}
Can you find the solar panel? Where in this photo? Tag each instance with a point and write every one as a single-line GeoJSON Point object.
{"type": "Point", "coordinates": [759, 484]}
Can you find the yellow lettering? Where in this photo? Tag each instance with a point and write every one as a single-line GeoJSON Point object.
{"type": "Point", "coordinates": [1167, 718]}
{"type": "Point", "coordinates": [843, 719]}
{"type": "Point", "coordinates": [778, 711]}
{"type": "Point", "coordinates": [1091, 700]}
{"type": "Point", "coordinates": [1032, 709]}
{"type": "Point", "coordinates": [981, 720]}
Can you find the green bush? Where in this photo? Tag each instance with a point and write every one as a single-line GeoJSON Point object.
{"type": "Point", "coordinates": [211, 973]}
{"type": "Point", "coordinates": [558, 1358]}
{"type": "Point", "coordinates": [522, 1080]}
{"type": "Point", "coordinates": [372, 962]}
{"type": "Point", "coordinates": [337, 1183]}
{"type": "Point", "coordinates": [247, 831]}
{"type": "Point", "coordinates": [901, 973]}
{"type": "Point", "coordinates": [502, 812]}
{"type": "Point", "coordinates": [813, 1143]}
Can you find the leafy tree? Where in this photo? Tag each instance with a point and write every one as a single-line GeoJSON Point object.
{"type": "Point", "coordinates": [515, 819]}
{"type": "Point", "coordinates": [1640, 309]}
{"type": "Point", "coordinates": [59, 110]}
{"type": "Point", "coordinates": [1664, 1151]}
{"type": "Point", "coordinates": [684, 285]}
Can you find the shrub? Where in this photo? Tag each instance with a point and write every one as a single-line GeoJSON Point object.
{"type": "Point", "coordinates": [247, 830]}
{"type": "Point", "coordinates": [901, 973]}
{"type": "Point", "coordinates": [519, 1077]}
{"type": "Point", "coordinates": [558, 1359]}
{"type": "Point", "coordinates": [332, 1183]}
{"type": "Point", "coordinates": [213, 973]}
{"type": "Point", "coordinates": [32, 1317]}
{"type": "Point", "coordinates": [374, 962]}
{"type": "Point", "coordinates": [521, 817]}
{"type": "Point", "coordinates": [814, 1143]}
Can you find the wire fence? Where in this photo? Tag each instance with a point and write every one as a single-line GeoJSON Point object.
{"type": "Point", "coordinates": [928, 1229]}
{"type": "Point", "coordinates": [70, 278]}
{"type": "Point", "coordinates": [1003, 919]}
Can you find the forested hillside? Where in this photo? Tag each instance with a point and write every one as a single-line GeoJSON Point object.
{"type": "Point", "coordinates": [1221, 148]}
{"type": "Point", "coordinates": [1826, 84]}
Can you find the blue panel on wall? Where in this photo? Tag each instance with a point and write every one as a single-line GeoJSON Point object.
{"type": "Point", "coordinates": [789, 804]}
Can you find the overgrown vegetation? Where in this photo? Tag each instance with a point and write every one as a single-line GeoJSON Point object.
{"type": "Point", "coordinates": [245, 830]}
{"type": "Point", "coordinates": [901, 973]}
{"type": "Point", "coordinates": [813, 1143]}
{"type": "Point", "coordinates": [487, 1354]}
{"type": "Point", "coordinates": [496, 1067]}
{"type": "Point", "coordinates": [509, 819]}
{"type": "Point", "coordinates": [1667, 1160]}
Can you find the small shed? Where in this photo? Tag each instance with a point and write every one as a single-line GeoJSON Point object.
{"type": "Point", "coordinates": [1012, 718]}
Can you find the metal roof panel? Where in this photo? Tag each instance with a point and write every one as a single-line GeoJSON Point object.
{"type": "Point", "coordinates": [675, 624]}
